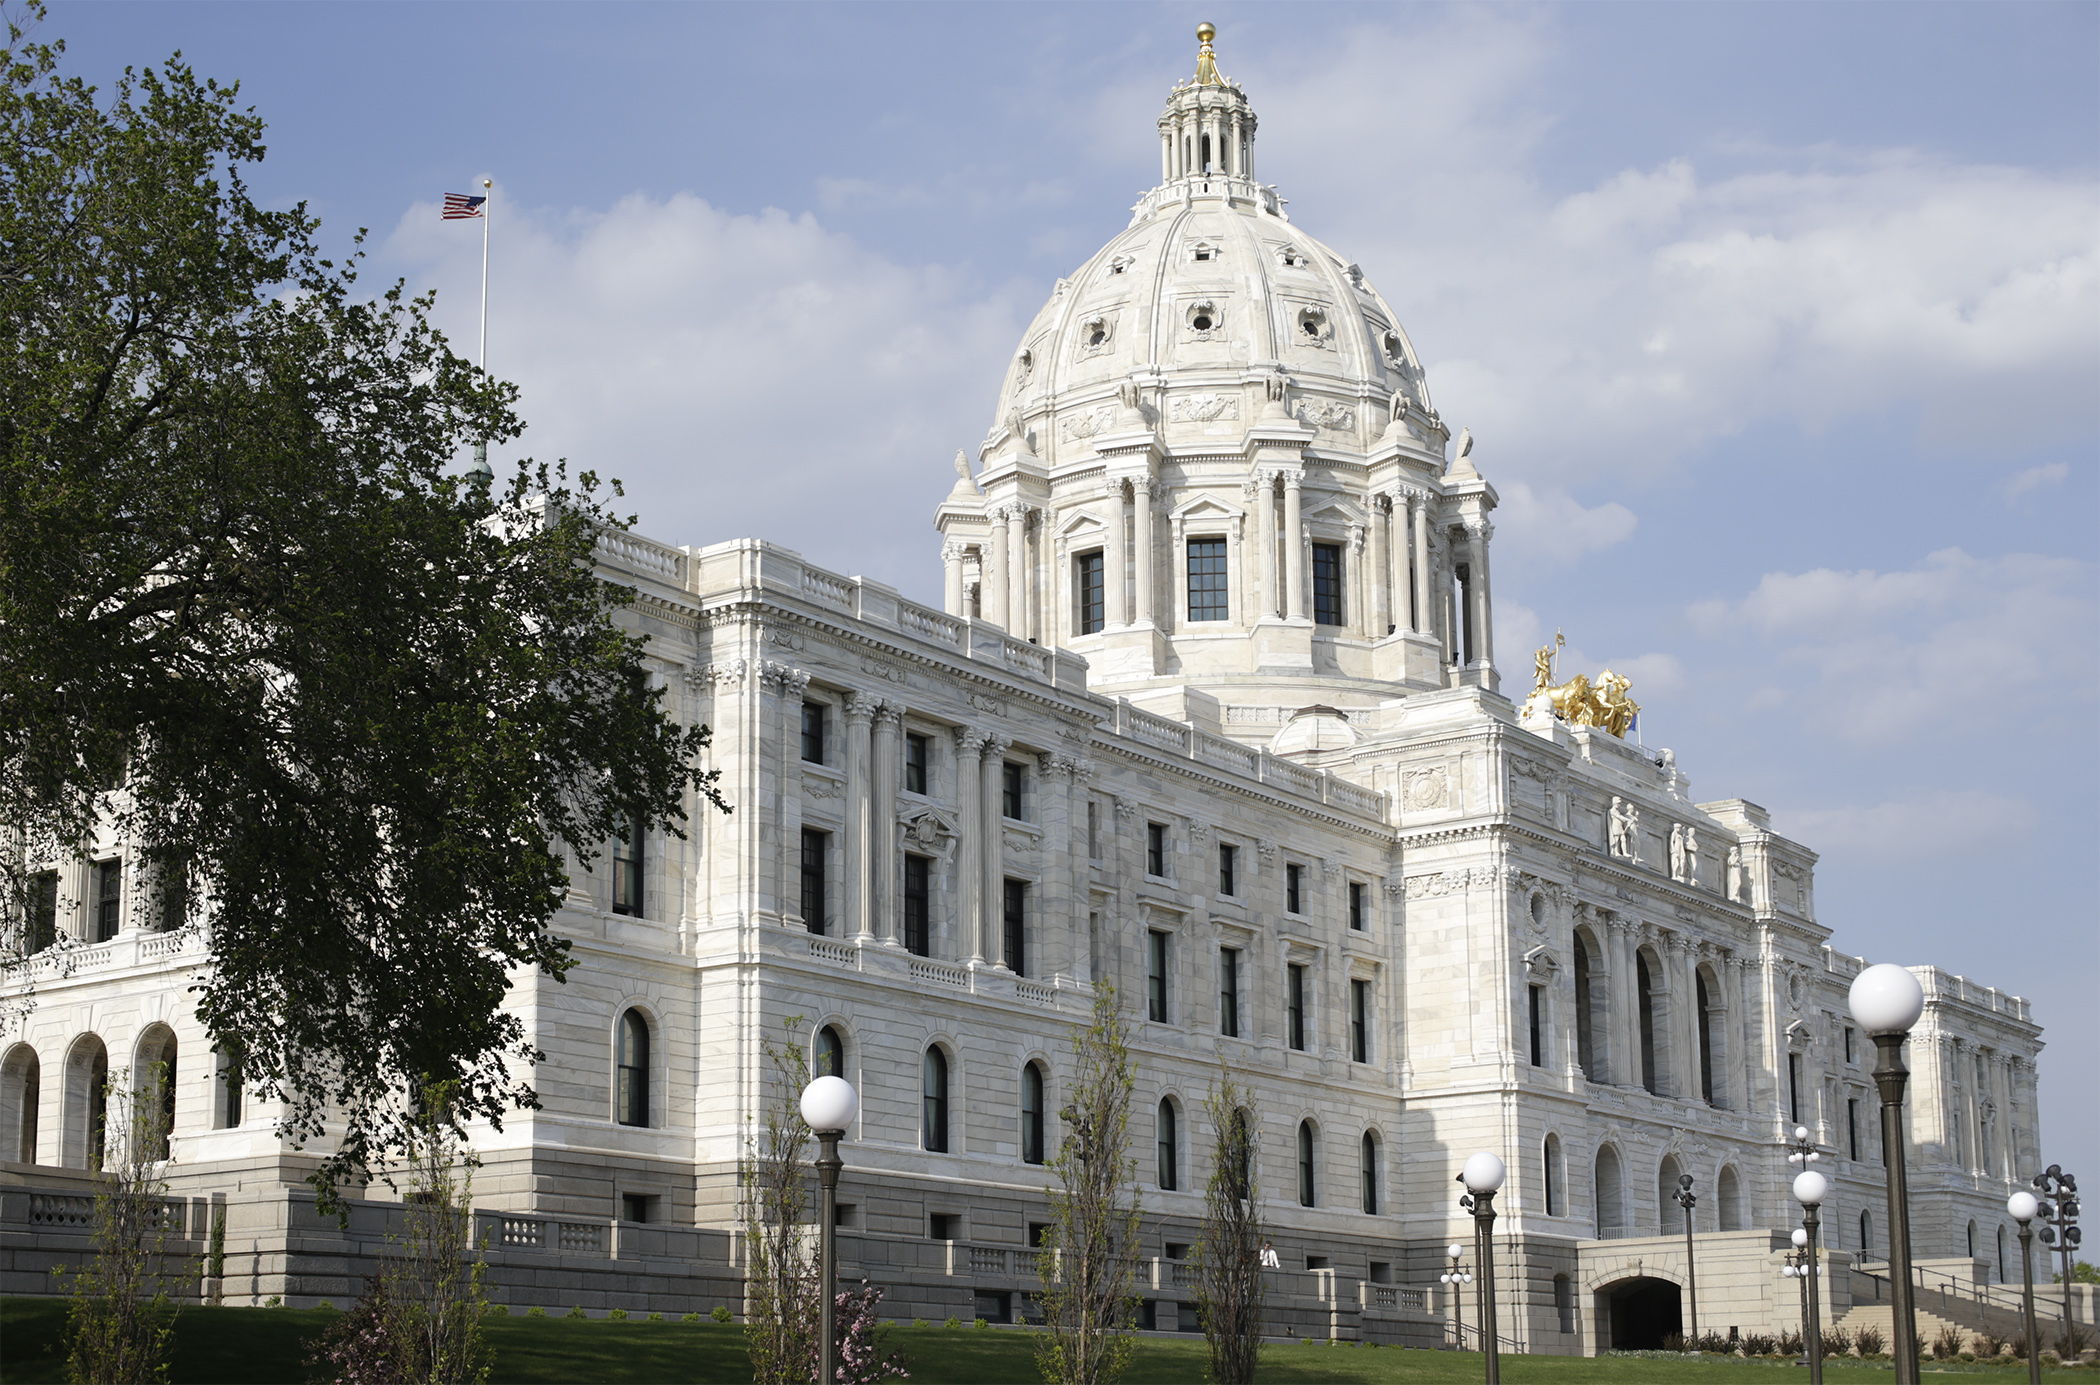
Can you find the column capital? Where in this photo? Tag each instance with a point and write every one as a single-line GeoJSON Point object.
{"type": "Point", "coordinates": [1112, 487]}
{"type": "Point", "coordinates": [888, 713]}
{"type": "Point", "coordinates": [1478, 529]}
{"type": "Point", "coordinates": [1054, 762]}
{"type": "Point", "coordinates": [953, 550]}
{"type": "Point", "coordinates": [860, 706]}
{"type": "Point", "coordinates": [791, 682]}
{"type": "Point", "coordinates": [1144, 485]}
{"type": "Point", "coordinates": [969, 741]}
{"type": "Point", "coordinates": [995, 745]}
{"type": "Point", "coordinates": [1292, 476]}
{"type": "Point", "coordinates": [727, 674]}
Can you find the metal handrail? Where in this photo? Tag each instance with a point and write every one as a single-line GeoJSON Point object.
{"type": "Point", "coordinates": [1983, 1295]}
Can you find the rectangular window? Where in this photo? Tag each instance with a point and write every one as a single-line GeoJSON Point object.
{"type": "Point", "coordinates": [1294, 1004]}
{"type": "Point", "coordinates": [1087, 593]}
{"type": "Point", "coordinates": [816, 850]}
{"type": "Point", "coordinates": [918, 905]}
{"type": "Point", "coordinates": [1013, 797]}
{"type": "Point", "coordinates": [813, 732]}
{"type": "Point", "coordinates": [1793, 1087]}
{"type": "Point", "coordinates": [1852, 1122]}
{"type": "Point", "coordinates": [1229, 992]}
{"type": "Point", "coordinates": [1360, 1021]}
{"type": "Point", "coordinates": [915, 753]}
{"type": "Point", "coordinates": [627, 868]}
{"type": "Point", "coordinates": [1359, 905]}
{"type": "Point", "coordinates": [1093, 830]}
{"type": "Point", "coordinates": [1016, 920]}
{"type": "Point", "coordinates": [172, 888]}
{"type": "Point", "coordinates": [1293, 888]}
{"type": "Point", "coordinates": [1208, 596]}
{"type": "Point", "coordinates": [1156, 977]}
{"type": "Point", "coordinates": [109, 899]}
{"type": "Point", "coordinates": [1848, 1043]}
{"type": "Point", "coordinates": [634, 1207]}
{"type": "Point", "coordinates": [1156, 848]}
{"type": "Point", "coordinates": [1228, 869]}
{"type": "Point", "coordinates": [1327, 583]}
{"type": "Point", "coordinates": [230, 1112]}
{"type": "Point", "coordinates": [1538, 1037]}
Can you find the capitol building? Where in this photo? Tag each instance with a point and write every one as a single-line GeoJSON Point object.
{"type": "Point", "coordinates": [1213, 709]}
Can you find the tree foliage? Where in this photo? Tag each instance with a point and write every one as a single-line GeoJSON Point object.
{"type": "Point", "coordinates": [1229, 1285]}
{"type": "Point", "coordinates": [1088, 1263]}
{"type": "Point", "coordinates": [358, 716]}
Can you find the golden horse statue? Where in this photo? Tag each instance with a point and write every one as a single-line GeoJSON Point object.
{"type": "Point", "coordinates": [1579, 702]}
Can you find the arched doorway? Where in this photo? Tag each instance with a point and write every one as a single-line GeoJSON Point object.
{"type": "Point", "coordinates": [1642, 1312]}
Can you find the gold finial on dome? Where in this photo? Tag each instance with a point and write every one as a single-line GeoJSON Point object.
{"type": "Point", "coordinates": [1206, 60]}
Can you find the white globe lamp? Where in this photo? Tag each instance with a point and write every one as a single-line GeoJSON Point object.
{"type": "Point", "coordinates": [830, 1103]}
{"type": "Point", "coordinates": [1887, 999]}
{"type": "Point", "coordinates": [1811, 1188]}
{"type": "Point", "coordinates": [2023, 1206]}
{"type": "Point", "coordinates": [1484, 1173]}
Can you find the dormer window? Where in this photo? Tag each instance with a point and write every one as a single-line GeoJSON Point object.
{"type": "Point", "coordinates": [1204, 318]}
{"type": "Point", "coordinates": [1289, 258]}
{"type": "Point", "coordinates": [1203, 252]}
{"type": "Point", "coordinates": [1120, 263]}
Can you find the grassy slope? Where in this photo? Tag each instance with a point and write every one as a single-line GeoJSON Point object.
{"type": "Point", "coordinates": [267, 1346]}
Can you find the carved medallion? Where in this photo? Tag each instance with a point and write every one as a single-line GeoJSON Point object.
{"type": "Point", "coordinates": [1422, 789]}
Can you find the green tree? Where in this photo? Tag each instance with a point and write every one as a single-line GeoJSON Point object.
{"type": "Point", "coordinates": [1088, 1263]}
{"type": "Point", "coordinates": [781, 1290]}
{"type": "Point", "coordinates": [120, 1323]}
{"type": "Point", "coordinates": [1229, 1286]}
{"type": "Point", "coordinates": [361, 712]}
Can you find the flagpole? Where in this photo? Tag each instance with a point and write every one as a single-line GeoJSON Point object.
{"type": "Point", "coordinates": [488, 199]}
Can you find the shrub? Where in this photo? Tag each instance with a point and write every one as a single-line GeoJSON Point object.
{"type": "Point", "coordinates": [1757, 1344]}
{"type": "Point", "coordinates": [1790, 1343]}
{"type": "Point", "coordinates": [273, 1301]}
{"type": "Point", "coordinates": [1717, 1344]}
{"type": "Point", "coordinates": [983, 1322]}
{"type": "Point", "coordinates": [1947, 1342]}
{"type": "Point", "coordinates": [656, 1317]}
{"type": "Point", "coordinates": [617, 1315]}
{"type": "Point", "coordinates": [1673, 1342]}
{"type": "Point", "coordinates": [2019, 1348]}
{"type": "Point", "coordinates": [576, 1312]}
{"type": "Point", "coordinates": [952, 1322]}
{"type": "Point", "coordinates": [360, 1347]}
{"type": "Point", "coordinates": [2072, 1339]}
{"type": "Point", "coordinates": [1871, 1341]}
{"type": "Point", "coordinates": [722, 1313]}
{"type": "Point", "coordinates": [692, 1317]}
{"type": "Point", "coordinates": [1989, 1344]}
{"type": "Point", "coordinates": [2050, 1358]}
{"type": "Point", "coordinates": [1965, 1356]}
{"type": "Point", "coordinates": [1836, 1342]}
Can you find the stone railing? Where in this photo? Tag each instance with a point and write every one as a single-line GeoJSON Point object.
{"type": "Point", "coordinates": [845, 954]}
{"type": "Point", "coordinates": [134, 947]}
{"type": "Point", "coordinates": [745, 564]}
{"type": "Point", "coordinates": [1179, 738]}
{"type": "Point", "coordinates": [646, 557]}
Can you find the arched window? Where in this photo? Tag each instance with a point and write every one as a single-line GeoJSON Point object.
{"type": "Point", "coordinates": [933, 1087]}
{"type": "Point", "coordinates": [831, 1053]}
{"type": "Point", "coordinates": [1306, 1190]}
{"type": "Point", "coordinates": [83, 1137]}
{"type": "Point", "coordinates": [230, 1099]}
{"type": "Point", "coordinates": [631, 1099]}
{"type": "Point", "coordinates": [1611, 1194]}
{"type": "Point", "coordinates": [1370, 1174]}
{"type": "Point", "coordinates": [1169, 1147]}
{"type": "Point", "coordinates": [1866, 1231]}
{"type": "Point", "coordinates": [1728, 1204]}
{"type": "Point", "coordinates": [1585, 1040]}
{"type": "Point", "coordinates": [154, 1080]}
{"type": "Point", "coordinates": [1644, 987]}
{"type": "Point", "coordinates": [21, 1087]}
{"type": "Point", "coordinates": [1972, 1240]}
{"type": "Point", "coordinates": [1669, 1216]}
{"type": "Point", "coordinates": [1032, 1114]}
{"type": "Point", "coordinates": [1549, 1170]}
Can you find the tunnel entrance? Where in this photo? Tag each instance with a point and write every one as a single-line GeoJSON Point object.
{"type": "Point", "coordinates": [1643, 1312]}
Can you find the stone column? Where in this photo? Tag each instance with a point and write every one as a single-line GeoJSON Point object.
{"type": "Point", "coordinates": [1062, 891]}
{"type": "Point", "coordinates": [1379, 573]}
{"type": "Point", "coordinates": [785, 764]}
{"type": "Point", "coordinates": [991, 596]}
{"type": "Point", "coordinates": [1359, 585]}
{"type": "Point", "coordinates": [1626, 938]}
{"type": "Point", "coordinates": [991, 825]}
{"type": "Point", "coordinates": [882, 818]}
{"type": "Point", "coordinates": [969, 851]}
{"type": "Point", "coordinates": [1113, 561]}
{"type": "Point", "coordinates": [1261, 498]}
{"type": "Point", "coordinates": [1418, 505]}
{"type": "Point", "coordinates": [1166, 157]}
{"type": "Point", "coordinates": [1294, 536]}
{"type": "Point", "coordinates": [1147, 561]}
{"type": "Point", "coordinates": [952, 576]}
{"type": "Point", "coordinates": [858, 911]}
{"type": "Point", "coordinates": [1479, 531]}
{"type": "Point", "coordinates": [1017, 571]}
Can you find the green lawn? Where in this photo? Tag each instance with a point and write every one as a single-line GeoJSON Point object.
{"type": "Point", "coordinates": [267, 1346]}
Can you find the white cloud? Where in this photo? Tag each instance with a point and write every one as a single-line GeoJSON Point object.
{"type": "Point", "coordinates": [1552, 524]}
{"type": "Point", "coordinates": [1600, 335]}
{"type": "Point", "coordinates": [1957, 640]}
{"type": "Point", "coordinates": [1914, 827]}
{"type": "Point", "coordinates": [743, 375]}
{"type": "Point", "coordinates": [2037, 478]}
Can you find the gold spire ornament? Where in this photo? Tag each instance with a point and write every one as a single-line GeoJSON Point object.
{"type": "Point", "coordinates": [1206, 60]}
{"type": "Point", "coordinates": [1579, 702]}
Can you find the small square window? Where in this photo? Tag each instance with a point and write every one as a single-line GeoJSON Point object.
{"type": "Point", "coordinates": [634, 1207]}
{"type": "Point", "coordinates": [941, 1226]}
{"type": "Point", "coordinates": [916, 749]}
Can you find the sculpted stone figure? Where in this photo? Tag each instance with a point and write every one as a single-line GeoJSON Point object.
{"type": "Point", "coordinates": [1579, 702]}
{"type": "Point", "coordinates": [1677, 851]}
{"type": "Point", "coordinates": [1625, 831]}
{"type": "Point", "coordinates": [1735, 874]}
{"type": "Point", "coordinates": [1691, 855]}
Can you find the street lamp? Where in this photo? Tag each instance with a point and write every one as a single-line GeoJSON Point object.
{"type": "Point", "coordinates": [1687, 1199]}
{"type": "Point", "coordinates": [2023, 1205]}
{"type": "Point", "coordinates": [829, 1105]}
{"type": "Point", "coordinates": [2061, 1190]}
{"type": "Point", "coordinates": [1810, 1189]}
{"type": "Point", "coordinates": [1887, 1000]}
{"type": "Point", "coordinates": [1457, 1279]}
{"type": "Point", "coordinates": [1797, 1267]}
{"type": "Point", "coordinates": [1483, 1175]}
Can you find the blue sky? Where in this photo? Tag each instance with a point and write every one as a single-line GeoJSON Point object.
{"type": "Point", "coordinates": [1778, 327]}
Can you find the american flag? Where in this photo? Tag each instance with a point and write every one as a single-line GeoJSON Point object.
{"type": "Point", "coordinates": [460, 207]}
